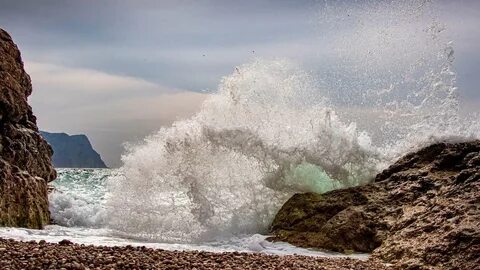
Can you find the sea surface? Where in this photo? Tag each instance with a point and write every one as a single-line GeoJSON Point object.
{"type": "Point", "coordinates": [77, 205]}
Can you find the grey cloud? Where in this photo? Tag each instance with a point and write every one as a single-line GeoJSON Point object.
{"type": "Point", "coordinates": [111, 109]}
{"type": "Point", "coordinates": [81, 34]}
{"type": "Point", "coordinates": [159, 47]}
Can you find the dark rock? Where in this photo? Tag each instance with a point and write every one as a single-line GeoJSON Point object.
{"type": "Point", "coordinates": [314, 220]}
{"type": "Point", "coordinates": [65, 242]}
{"type": "Point", "coordinates": [420, 213]}
{"type": "Point", "coordinates": [25, 158]}
{"type": "Point", "coordinates": [73, 151]}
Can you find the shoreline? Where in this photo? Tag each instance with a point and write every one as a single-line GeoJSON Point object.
{"type": "Point", "coordinates": [65, 254]}
{"type": "Point", "coordinates": [248, 244]}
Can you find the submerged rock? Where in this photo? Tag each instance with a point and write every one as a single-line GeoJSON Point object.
{"type": "Point", "coordinates": [25, 157]}
{"type": "Point", "coordinates": [421, 213]}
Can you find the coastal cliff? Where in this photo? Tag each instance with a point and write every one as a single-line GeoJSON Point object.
{"type": "Point", "coordinates": [421, 213]}
{"type": "Point", "coordinates": [25, 157]}
{"type": "Point", "coordinates": [73, 151]}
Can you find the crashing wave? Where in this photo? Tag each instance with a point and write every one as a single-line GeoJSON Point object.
{"type": "Point", "coordinates": [273, 129]}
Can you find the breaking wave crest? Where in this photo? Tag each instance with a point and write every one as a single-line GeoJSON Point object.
{"type": "Point", "coordinates": [273, 130]}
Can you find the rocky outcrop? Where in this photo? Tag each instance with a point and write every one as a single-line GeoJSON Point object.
{"type": "Point", "coordinates": [421, 213]}
{"type": "Point", "coordinates": [73, 151]}
{"type": "Point", "coordinates": [25, 164]}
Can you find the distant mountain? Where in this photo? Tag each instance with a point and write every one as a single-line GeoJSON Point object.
{"type": "Point", "coordinates": [73, 151]}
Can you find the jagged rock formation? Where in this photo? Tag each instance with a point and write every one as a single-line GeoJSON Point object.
{"type": "Point", "coordinates": [25, 164]}
{"type": "Point", "coordinates": [421, 213]}
{"type": "Point", "coordinates": [73, 151]}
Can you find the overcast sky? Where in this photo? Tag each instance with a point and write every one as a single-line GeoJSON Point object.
{"type": "Point", "coordinates": [118, 70]}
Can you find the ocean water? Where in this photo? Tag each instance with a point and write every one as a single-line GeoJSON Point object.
{"type": "Point", "coordinates": [272, 129]}
{"type": "Point", "coordinates": [78, 207]}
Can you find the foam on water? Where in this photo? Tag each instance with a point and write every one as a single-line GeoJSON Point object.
{"type": "Point", "coordinates": [87, 236]}
{"type": "Point", "coordinates": [79, 197]}
{"type": "Point", "coordinates": [78, 207]}
{"type": "Point", "coordinates": [78, 202]}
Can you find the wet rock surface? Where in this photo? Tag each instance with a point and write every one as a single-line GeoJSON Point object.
{"type": "Point", "coordinates": [42, 255]}
{"type": "Point", "coordinates": [421, 213]}
{"type": "Point", "coordinates": [25, 158]}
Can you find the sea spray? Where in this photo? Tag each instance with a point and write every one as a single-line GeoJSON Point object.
{"type": "Point", "coordinates": [391, 71]}
{"type": "Point", "coordinates": [273, 129]}
{"type": "Point", "coordinates": [227, 170]}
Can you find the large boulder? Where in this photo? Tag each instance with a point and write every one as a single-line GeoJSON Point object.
{"type": "Point", "coordinates": [421, 213]}
{"type": "Point", "coordinates": [25, 158]}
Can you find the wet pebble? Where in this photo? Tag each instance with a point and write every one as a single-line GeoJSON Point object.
{"type": "Point", "coordinates": [69, 256]}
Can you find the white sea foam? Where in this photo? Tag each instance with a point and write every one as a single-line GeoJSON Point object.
{"type": "Point", "coordinates": [273, 129]}
{"type": "Point", "coordinates": [87, 236]}
{"type": "Point", "coordinates": [266, 135]}
{"type": "Point", "coordinates": [79, 197]}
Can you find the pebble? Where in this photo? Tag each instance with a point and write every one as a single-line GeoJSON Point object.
{"type": "Point", "coordinates": [69, 256]}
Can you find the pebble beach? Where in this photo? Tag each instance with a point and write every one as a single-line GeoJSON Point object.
{"type": "Point", "coordinates": [67, 255]}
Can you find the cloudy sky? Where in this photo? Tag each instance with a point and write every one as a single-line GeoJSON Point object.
{"type": "Point", "coordinates": [118, 70]}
